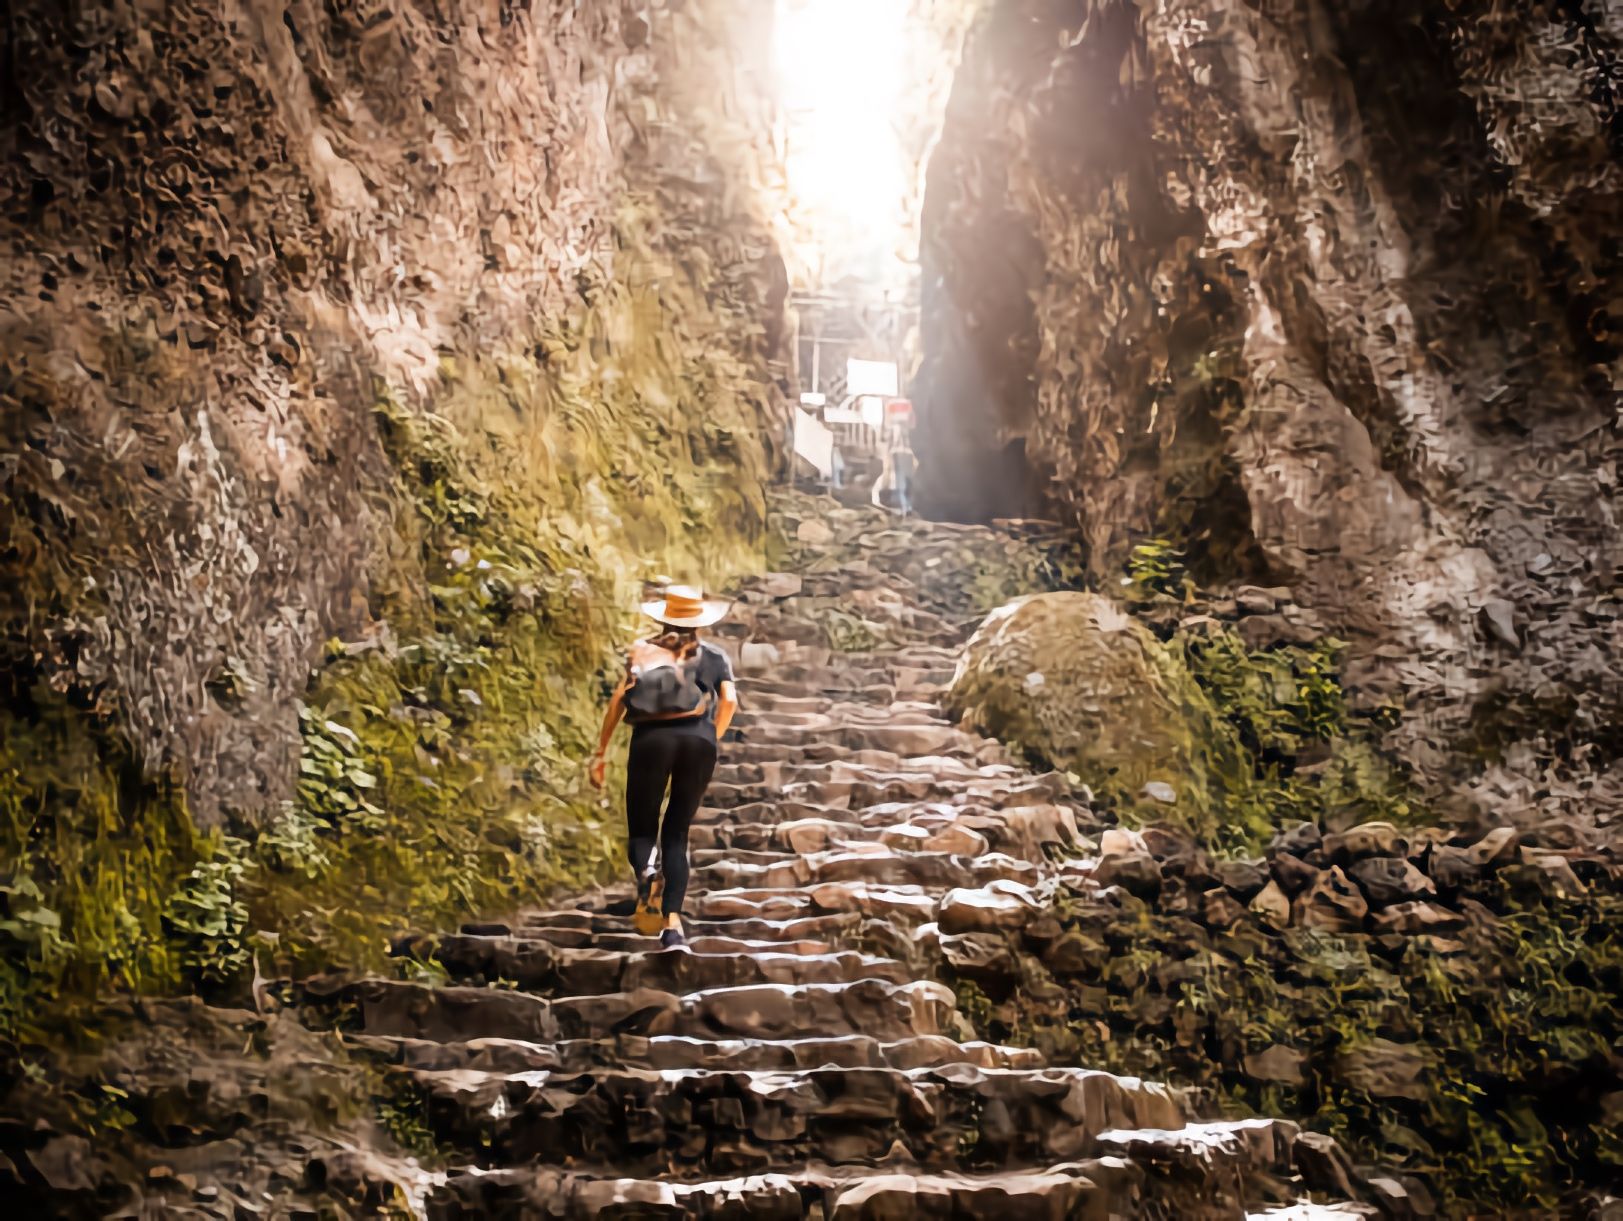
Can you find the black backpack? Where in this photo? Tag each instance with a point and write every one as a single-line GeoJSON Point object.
{"type": "Point", "coordinates": [662, 687]}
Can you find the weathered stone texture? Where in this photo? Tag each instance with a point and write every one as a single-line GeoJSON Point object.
{"type": "Point", "coordinates": [1072, 679]}
{"type": "Point", "coordinates": [1326, 294]}
{"type": "Point", "coordinates": [229, 227]}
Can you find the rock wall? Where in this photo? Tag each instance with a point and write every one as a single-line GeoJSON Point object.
{"type": "Point", "coordinates": [1326, 296]}
{"type": "Point", "coordinates": [308, 308]}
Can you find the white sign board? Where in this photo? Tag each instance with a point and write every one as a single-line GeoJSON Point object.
{"type": "Point", "coordinates": [870, 377]}
{"type": "Point", "coordinates": [814, 443]}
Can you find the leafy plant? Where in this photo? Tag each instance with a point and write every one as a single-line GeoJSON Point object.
{"type": "Point", "coordinates": [333, 776]}
{"type": "Point", "coordinates": [208, 920]}
{"type": "Point", "coordinates": [1156, 566]}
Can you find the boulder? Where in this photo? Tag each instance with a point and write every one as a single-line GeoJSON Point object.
{"type": "Point", "coordinates": [1138, 873]}
{"type": "Point", "coordinates": [984, 957]}
{"type": "Point", "coordinates": [1075, 680]}
{"type": "Point", "coordinates": [1076, 953]}
{"type": "Point", "coordinates": [1293, 874]}
{"type": "Point", "coordinates": [1163, 842]}
{"type": "Point", "coordinates": [813, 533]}
{"type": "Point", "coordinates": [1301, 840]}
{"type": "Point", "coordinates": [1386, 880]}
{"type": "Point", "coordinates": [998, 905]}
{"type": "Point", "coordinates": [1412, 919]}
{"type": "Point", "coordinates": [1118, 840]}
{"type": "Point", "coordinates": [1272, 906]}
{"type": "Point", "coordinates": [1556, 870]}
{"type": "Point", "coordinates": [1279, 1064]}
{"type": "Point", "coordinates": [1323, 1165]}
{"type": "Point", "coordinates": [1220, 909]}
{"type": "Point", "coordinates": [1384, 1069]}
{"type": "Point", "coordinates": [780, 584]}
{"type": "Point", "coordinates": [1332, 904]}
{"type": "Point", "coordinates": [1495, 848]}
{"type": "Point", "coordinates": [1365, 840]}
{"type": "Point", "coordinates": [1401, 1199]}
{"type": "Point", "coordinates": [1243, 878]}
{"type": "Point", "coordinates": [1452, 868]}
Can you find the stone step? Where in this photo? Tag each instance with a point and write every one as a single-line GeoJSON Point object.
{"type": "Point", "coordinates": [797, 835]}
{"type": "Point", "coordinates": [810, 751]}
{"type": "Point", "coordinates": [880, 867]}
{"type": "Point", "coordinates": [829, 715]}
{"type": "Point", "coordinates": [698, 942]}
{"type": "Point", "coordinates": [795, 770]}
{"type": "Point", "coordinates": [1096, 1190]}
{"type": "Point", "coordinates": [991, 785]}
{"type": "Point", "coordinates": [872, 1007]}
{"type": "Point", "coordinates": [497, 1055]}
{"type": "Point", "coordinates": [909, 904]}
{"type": "Point", "coordinates": [536, 964]}
{"type": "Point", "coordinates": [779, 934]}
{"type": "Point", "coordinates": [924, 739]}
{"type": "Point", "coordinates": [848, 794]}
{"type": "Point", "coordinates": [942, 1117]}
{"type": "Point", "coordinates": [772, 810]}
{"type": "Point", "coordinates": [881, 693]}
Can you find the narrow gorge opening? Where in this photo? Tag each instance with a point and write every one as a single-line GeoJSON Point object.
{"type": "Point", "coordinates": [1155, 465]}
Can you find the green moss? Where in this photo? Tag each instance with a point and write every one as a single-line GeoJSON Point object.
{"type": "Point", "coordinates": [440, 766]}
{"type": "Point", "coordinates": [1512, 1034]}
{"type": "Point", "coordinates": [94, 850]}
{"type": "Point", "coordinates": [1249, 739]}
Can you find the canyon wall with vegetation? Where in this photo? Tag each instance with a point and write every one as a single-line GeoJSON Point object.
{"type": "Point", "coordinates": [1317, 296]}
{"type": "Point", "coordinates": [356, 362]}
{"type": "Point", "coordinates": [1305, 317]}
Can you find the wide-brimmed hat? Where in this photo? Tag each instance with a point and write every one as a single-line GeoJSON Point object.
{"type": "Point", "coordinates": [684, 606]}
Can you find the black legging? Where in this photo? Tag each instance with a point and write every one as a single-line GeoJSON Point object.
{"type": "Point", "coordinates": [684, 755]}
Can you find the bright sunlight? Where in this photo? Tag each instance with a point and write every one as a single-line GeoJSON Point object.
{"type": "Point", "coordinates": [841, 66]}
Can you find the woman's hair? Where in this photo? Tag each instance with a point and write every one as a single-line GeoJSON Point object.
{"type": "Point", "coordinates": [679, 640]}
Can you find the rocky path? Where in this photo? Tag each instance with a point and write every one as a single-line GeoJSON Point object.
{"type": "Point", "coordinates": [806, 1055]}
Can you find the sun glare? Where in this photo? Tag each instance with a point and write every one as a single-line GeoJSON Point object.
{"type": "Point", "coordinates": [840, 67]}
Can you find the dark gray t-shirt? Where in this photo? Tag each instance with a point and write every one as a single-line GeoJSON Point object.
{"type": "Point", "coordinates": [715, 668]}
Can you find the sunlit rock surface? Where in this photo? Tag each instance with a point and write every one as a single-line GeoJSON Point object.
{"type": "Point", "coordinates": [1076, 681]}
{"type": "Point", "coordinates": [231, 230]}
{"type": "Point", "coordinates": [1327, 296]}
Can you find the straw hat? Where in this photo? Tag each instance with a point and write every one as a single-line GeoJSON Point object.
{"type": "Point", "coordinates": [684, 606]}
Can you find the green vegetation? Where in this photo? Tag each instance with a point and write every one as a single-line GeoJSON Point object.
{"type": "Point", "coordinates": [439, 754]}
{"type": "Point", "coordinates": [1483, 1058]}
{"type": "Point", "coordinates": [1480, 1063]}
{"type": "Point", "coordinates": [1247, 739]}
{"type": "Point", "coordinates": [1156, 566]}
{"type": "Point", "coordinates": [1304, 756]}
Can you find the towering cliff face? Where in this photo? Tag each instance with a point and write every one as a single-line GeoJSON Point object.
{"type": "Point", "coordinates": [1326, 295]}
{"type": "Point", "coordinates": [322, 323]}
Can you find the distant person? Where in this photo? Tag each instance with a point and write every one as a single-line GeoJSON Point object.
{"type": "Point", "coordinates": [836, 468]}
{"type": "Point", "coordinates": [678, 697]}
{"type": "Point", "coordinates": [903, 466]}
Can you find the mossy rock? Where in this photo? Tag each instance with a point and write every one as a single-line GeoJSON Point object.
{"type": "Point", "coordinates": [1075, 681]}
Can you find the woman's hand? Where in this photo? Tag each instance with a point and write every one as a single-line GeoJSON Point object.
{"type": "Point", "coordinates": [597, 771]}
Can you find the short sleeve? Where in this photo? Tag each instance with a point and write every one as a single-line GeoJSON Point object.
{"type": "Point", "coordinates": [719, 667]}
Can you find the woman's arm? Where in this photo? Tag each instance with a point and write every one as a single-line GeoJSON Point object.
{"type": "Point", "coordinates": [725, 707]}
{"type": "Point", "coordinates": [612, 717]}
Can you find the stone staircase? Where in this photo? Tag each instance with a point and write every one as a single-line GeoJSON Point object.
{"type": "Point", "coordinates": [804, 1056]}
